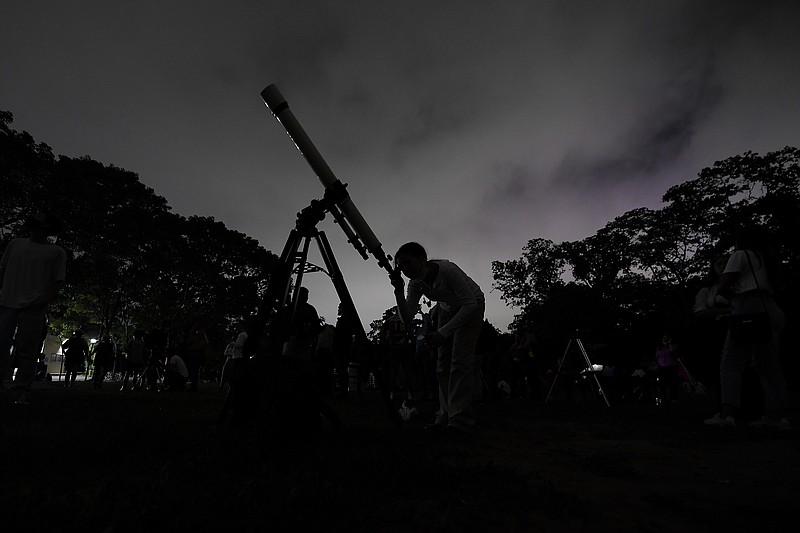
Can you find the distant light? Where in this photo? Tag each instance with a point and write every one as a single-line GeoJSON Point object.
{"type": "Point", "coordinates": [92, 341]}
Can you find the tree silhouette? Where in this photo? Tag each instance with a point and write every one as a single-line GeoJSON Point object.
{"type": "Point", "coordinates": [132, 262]}
{"type": "Point", "coordinates": [638, 274]}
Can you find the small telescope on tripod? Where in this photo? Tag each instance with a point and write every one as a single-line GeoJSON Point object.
{"type": "Point", "coordinates": [287, 275]}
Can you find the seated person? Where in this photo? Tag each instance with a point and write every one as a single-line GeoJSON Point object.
{"type": "Point", "coordinates": [667, 366]}
{"type": "Point", "coordinates": [176, 374]}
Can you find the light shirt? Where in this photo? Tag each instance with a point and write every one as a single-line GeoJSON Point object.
{"type": "Point", "coordinates": [180, 366]}
{"type": "Point", "coordinates": [452, 287]}
{"type": "Point", "coordinates": [707, 298]}
{"type": "Point", "coordinates": [239, 344]}
{"type": "Point", "coordinates": [746, 280]}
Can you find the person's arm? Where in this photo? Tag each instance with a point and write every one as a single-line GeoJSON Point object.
{"type": "Point", "coordinates": [701, 308]}
{"type": "Point", "coordinates": [55, 289]}
{"type": "Point", "coordinates": [466, 298]}
{"type": "Point", "coordinates": [733, 270]}
{"type": "Point", "coordinates": [59, 273]}
{"type": "Point", "coordinates": [3, 262]}
{"type": "Point", "coordinates": [51, 293]}
{"type": "Point", "coordinates": [241, 339]}
{"type": "Point", "coordinates": [726, 284]}
{"type": "Point", "coordinates": [399, 285]}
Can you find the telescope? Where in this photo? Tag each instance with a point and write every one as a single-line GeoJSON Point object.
{"type": "Point", "coordinates": [335, 190]}
{"type": "Point", "coordinates": [277, 310]}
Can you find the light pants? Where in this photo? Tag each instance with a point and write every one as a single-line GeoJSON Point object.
{"type": "Point", "coordinates": [766, 356]}
{"type": "Point", "coordinates": [455, 374]}
{"type": "Point", "coordinates": [29, 325]}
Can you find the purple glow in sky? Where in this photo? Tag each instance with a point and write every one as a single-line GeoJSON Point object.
{"type": "Point", "coordinates": [468, 126]}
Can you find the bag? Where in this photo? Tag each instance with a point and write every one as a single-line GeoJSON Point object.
{"type": "Point", "coordinates": [751, 328]}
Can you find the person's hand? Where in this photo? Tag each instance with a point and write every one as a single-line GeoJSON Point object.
{"type": "Point", "coordinates": [39, 303]}
{"type": "Point", "coordinates": [434, 340]}
{"type": "Point", "coordinates": [397, 280]}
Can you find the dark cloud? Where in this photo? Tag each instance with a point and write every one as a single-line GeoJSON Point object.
{"type": "Point", "coordinates": [655, 140]}
{"type": "Point", "coordinates": [431, 120]}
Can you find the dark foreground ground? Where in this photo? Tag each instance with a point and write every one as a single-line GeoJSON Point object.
{"type": "Point", "coordinates": [101, 461]}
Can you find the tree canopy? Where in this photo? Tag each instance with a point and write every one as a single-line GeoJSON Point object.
{"type": "Point", "coordinates": [639, 273]}
{"type": "Point", "coordinates": [133, 263]}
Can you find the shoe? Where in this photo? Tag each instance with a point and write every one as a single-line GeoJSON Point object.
{"type": "Point", "coordinates": [770, 423]}
{"type": "Point", "coordinates": [406, 412]}
{"type": "Point", "coordinates": [21, 400]}
{"type": "Point", "coordinates": [453, 433]}
{"type": "Point", "coordinates": [721, 421]}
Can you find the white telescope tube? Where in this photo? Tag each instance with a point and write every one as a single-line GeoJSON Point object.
{"type": "Point", "coordinates": [280, 108]}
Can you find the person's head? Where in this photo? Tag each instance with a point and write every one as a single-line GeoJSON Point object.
{"type": "Point", "coordinates": [42, 225]}
{"type": "Point", "coordinates": [718, 266]}
{"type": "Point", "coordinates": [410, 259]}
{"type": "Point", "coordinates": [752, 238]}
{"type": "Point", "coordinates": [758, 239]}
{"type": "Point", "coordinates": [302, 295]}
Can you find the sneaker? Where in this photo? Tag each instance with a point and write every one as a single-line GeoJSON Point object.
{"type": "Point", "coordinates": [720, 421]}
{"type": "Point", "coordinates": [21, 400]}
{"type": "Point", "coordinates": [770, 423]}
{"type": "Point", "coordinates": [406, 412]}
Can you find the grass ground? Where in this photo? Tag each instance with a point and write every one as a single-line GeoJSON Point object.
{"type": "Point", "coordinates": [109, 462]}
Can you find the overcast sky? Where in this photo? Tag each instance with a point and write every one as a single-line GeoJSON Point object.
{"type": "Point", "coordinates": [469, 126]}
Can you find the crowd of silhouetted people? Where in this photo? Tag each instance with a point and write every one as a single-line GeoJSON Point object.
{"type": "Point", "coordinates": [451, 355]}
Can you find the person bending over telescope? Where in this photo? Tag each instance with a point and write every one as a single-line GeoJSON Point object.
{"type": "Point", "coordinates": [457, 334]}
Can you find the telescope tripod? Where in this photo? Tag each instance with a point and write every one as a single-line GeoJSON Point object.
{"type": "Point", "coordinates": [151, 374]}
{"type": "Point", "coordinates": [278, 310]}
{"type": "Point", "coordinates": [294, 258]}
{"type": "Point", "coordinates": [587, 372]}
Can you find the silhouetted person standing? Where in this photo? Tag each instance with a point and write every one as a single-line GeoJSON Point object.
{"type": "Point", "coordinates": [342, 349]}
{"type": "Point", "coordinates": [32, 272]}
{"type": "Point", "coordinates": [195, 353]}
{"type": "Point", "coordinates": [305, 328]}
{"type": "Point", "coordinates": [76, 355]}
{"type": "Point", "coordinates": [749, 281]}
{"type": "Point", "coordinates": [135, 358]}
{"type": "Point", "coordinates": [234, 356]}
{"type": "Point", "coordinates": [458, 328]}
{"type": "Point", "coordinates": [104, 354]}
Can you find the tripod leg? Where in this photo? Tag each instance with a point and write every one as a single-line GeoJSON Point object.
{"type": "Point", "coordinates": [697, 386]}
{"type": "Point", "coordinates": [277, 289]}
{"type": "Point", "coordinates": [300, 260]}
{"type": "Point", "coordinates": [590, 369]}
{"type": "Point", "coordinates": [350, 308]}
{"type": "Point", "coordinates": [558, 372]}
